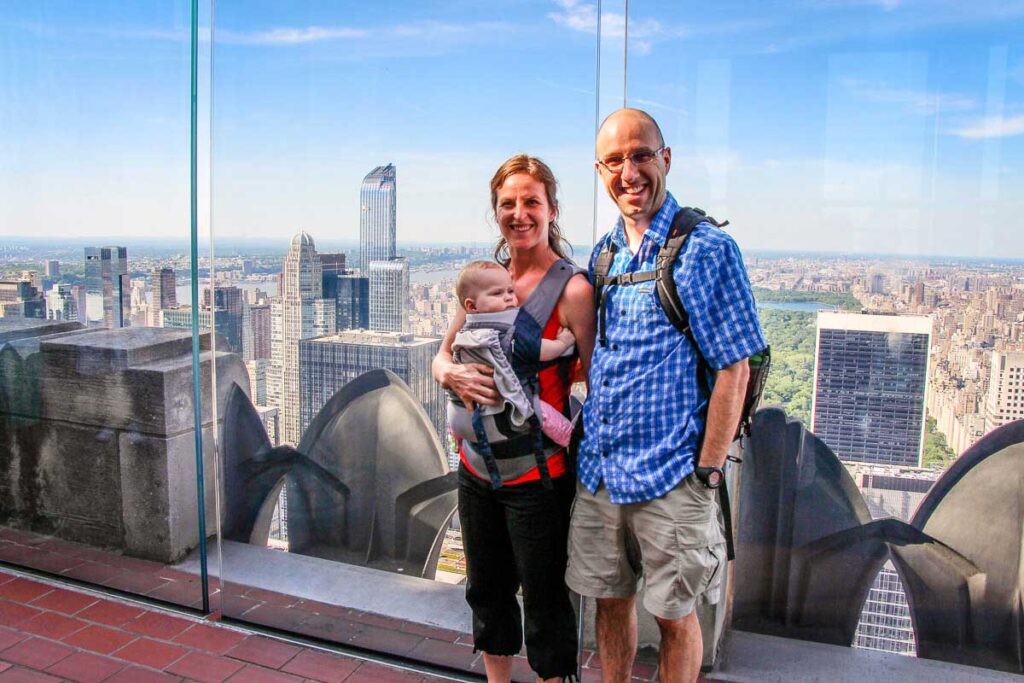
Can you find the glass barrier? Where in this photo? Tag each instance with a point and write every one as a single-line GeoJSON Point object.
{"type": "Point", "coordinates": [866, 156]}
{"type": "Point", "coordinates": [352, 151]}
{"type": "Point", "coordinates": [98, 477]}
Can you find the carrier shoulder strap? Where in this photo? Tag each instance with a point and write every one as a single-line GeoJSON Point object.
{"type": "Point", "coordinates": [542, 301]}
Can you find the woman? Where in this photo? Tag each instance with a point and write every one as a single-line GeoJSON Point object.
{"type": "Point", "coordinates": [516, 535]}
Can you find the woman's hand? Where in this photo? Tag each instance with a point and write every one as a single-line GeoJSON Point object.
{"type": "Point", "coordinates": [473, 383]}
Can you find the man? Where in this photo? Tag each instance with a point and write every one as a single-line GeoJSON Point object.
{"type": "Point", "coordinates": [647, 419]}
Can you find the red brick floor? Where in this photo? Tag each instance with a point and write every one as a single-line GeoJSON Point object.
{"type": "Point", "coordinates": [52, 633]}
{"type": "Point", "coordinates": [49, 632]}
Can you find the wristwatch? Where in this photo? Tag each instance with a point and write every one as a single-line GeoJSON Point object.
{"type": "Point", "coordinates": [711, 477]}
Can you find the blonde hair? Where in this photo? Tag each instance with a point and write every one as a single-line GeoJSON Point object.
{"type": "Point", "coordinates": [466, 285]}
{"type": "Point", "coordinates": [541, 172]}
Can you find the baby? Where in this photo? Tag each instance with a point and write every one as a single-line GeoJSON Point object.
{"type": "Point", "coordinates": [485, 291]}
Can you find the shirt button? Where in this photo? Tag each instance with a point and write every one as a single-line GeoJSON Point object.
{"type": "Point", "coordinates": [623, 311]}
{"type": "Point", "coordinates": [604, 420]}
{"type": "Point", "coordinates": [604, 383]}
{"type": "Point", "coordinates": [615, 347]}
{"type": "Point", "coordinates": [605, 454]}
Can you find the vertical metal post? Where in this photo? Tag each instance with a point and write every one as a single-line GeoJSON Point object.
{"type": "Point", "coordinates": [597, 118]}
{"type": "Point", "coordinates": [197, 407]}
{"type": "Point", "coordinates": [625, 50]}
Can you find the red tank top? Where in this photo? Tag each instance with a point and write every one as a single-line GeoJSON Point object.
{"type": "Point", "coordinates": [554, 389]}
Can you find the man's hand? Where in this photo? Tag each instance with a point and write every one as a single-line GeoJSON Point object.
{"type": "Point", "coordinates": [473, 383]}
{"type": "Point", "coordinates": [724, 413]}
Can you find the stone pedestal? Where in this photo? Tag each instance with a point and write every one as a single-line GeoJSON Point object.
{"type": "Point", "coordinates": [97, 440]}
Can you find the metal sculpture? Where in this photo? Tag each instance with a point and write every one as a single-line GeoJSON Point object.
{"type": "Point", "coordinates": [808, 550]}
{"type": "Point", "coordinates": [368, 484]}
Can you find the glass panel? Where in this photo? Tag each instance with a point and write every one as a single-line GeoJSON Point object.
{"type": "Point", "coordinates": [98, 462]}
{"type": "Point", "coordinates": [868, 156]}
{"type": "Point", "coordinates": [352, 152]}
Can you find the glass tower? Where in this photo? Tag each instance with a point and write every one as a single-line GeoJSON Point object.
{"type": "Point", "coordinates": [377, 216]}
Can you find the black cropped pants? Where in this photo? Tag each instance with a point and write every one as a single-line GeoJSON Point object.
{"type": "Point", "coordinates": [517, 536]}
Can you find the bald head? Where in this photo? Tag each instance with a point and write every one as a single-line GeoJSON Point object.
{"type": "Point", "coordinates": [633, 115]}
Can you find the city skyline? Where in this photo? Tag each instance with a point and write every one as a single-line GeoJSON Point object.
{"type": "Point", "coordinates": [854, 126]}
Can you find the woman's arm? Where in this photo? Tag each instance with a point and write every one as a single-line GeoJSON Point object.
{"type": "Point", "coordinates": [471, 382]}
{"type": "Point", "coordinates": [576, 312]}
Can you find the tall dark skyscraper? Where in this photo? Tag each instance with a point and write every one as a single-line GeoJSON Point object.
{"type": "Point", "coordinates": [162, 292]}
{"type": "Point", "coordinates": [351, 294]}
{"type": "Point", "coordinates": [227, 302]}
{"type": "Point", "coordinates": [869, 386]}
{"type": "Point", "coordinates": [106, 278]}
{"type": "Point", "coordinates": [333, 262]}
{"type": "Point", "coordinates": [377, 217]}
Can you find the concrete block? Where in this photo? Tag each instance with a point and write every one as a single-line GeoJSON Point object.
{"type": "Point", "coordinates": [158, 486]}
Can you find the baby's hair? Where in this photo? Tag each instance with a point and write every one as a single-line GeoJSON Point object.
{"type": "Point", "coordinates": [466, 285]}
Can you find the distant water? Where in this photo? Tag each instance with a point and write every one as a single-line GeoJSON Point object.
{"type": "Point", "coordinates": [805, 306]}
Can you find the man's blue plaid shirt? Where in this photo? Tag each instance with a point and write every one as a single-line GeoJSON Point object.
{"type": "Point", "coordinates": [644, 415]}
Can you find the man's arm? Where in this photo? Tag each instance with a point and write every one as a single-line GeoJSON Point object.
{"type": "Point", "coordinates": [724, 412]}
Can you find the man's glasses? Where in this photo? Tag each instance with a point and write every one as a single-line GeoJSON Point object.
{"type": "Point", "coordinates": [614, 163]}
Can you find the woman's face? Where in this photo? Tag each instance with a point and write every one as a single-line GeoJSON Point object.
{"type": "Point", "coordinates": [523, 212]}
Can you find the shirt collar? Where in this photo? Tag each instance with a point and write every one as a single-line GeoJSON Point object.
{"type": "Point", "coordinates": [657, 230]}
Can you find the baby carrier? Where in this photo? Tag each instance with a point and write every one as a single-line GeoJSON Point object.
{"type": "Point", "coordinates": [490, 441]}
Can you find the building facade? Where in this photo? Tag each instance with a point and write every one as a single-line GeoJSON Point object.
{"type": "Point", "coordinates": [389, 291]}
{"type": "Point", "coordinates": [885, 624]}
{"type": "Point", "coordinates": [163, 292]}
{"type": "Point", "coordinates": [329, 363]}
{"type": "Point", "coordinates": [299, 312]}
{"type": "Point", "coordinates": [108, 281]}
{"type": "Point", "coordinates": [1005, 399]}
{"type": "Point", "coordinates": [377, 216]}
{"type": "Point", "coordinates": [871, 372]}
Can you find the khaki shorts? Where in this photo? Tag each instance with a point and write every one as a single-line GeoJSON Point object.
{"type": "Point", "coordinates": [675, 543]}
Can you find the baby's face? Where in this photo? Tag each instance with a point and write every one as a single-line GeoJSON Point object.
{"type": "Point", "coordinates": [494, 292]}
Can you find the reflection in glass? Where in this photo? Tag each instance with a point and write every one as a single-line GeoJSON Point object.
{"type": "Point", "coordinates": [98, 455]}
{"type": "Point", "coordinates": [352, 148]}
{"type": "Point", "coordinates": [864, 154]}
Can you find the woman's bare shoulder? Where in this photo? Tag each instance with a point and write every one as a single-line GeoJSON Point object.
{"type": "Point", "coordinates": [578, 287]}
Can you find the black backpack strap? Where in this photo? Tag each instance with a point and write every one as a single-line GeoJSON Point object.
{"type": "Point", "coordinates": [685, 220]}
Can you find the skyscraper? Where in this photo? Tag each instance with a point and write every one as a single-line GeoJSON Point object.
{"type": "Point", "coordinates": [299, 312]}
{"type": "Point", "coordinates": [869, 386]}
{"type": "Point", "coordinates": [333, 263]}
{"type": "Point", "coordinates": [329, 363]}
{"type": "Point", "coordinates": [351, 292]}
{"type": "Point", "coordinates": [353, 298]}
{"type": "Point", "coordinates": [228, 303]}
{"type": "Point", "coordinates": [20, 299]}
{"type": "Point", "coordinates": [377, 216]}
{"type": "Point", "coordinates": [162, 289]}
{"type": "Point", "coordinates": [107, 280]}
{"type": "Point", "coordinates": [259, 323]}
{"type": "Point", "coordinates": [52, 269]}
{"type": "Point", "coordinates": [389, 289]}
{"type": "Point", "coordinates": [61, 303]}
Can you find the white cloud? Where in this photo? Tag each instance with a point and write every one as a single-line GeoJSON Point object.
{"type": "Point", "coordinates": [922, 101]}
{"type": "Point", "coordinates": [291, 36]}
{"type": "Point", "coordinates": [582, 17]}
{"type": "Point", "coordinates": [992, 127]}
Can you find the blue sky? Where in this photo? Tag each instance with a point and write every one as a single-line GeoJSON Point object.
{"type": "Point", "coordinates": [839, 125]}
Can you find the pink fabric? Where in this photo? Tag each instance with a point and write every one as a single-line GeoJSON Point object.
{"type": "Point", "coordinates": [556, 426]}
